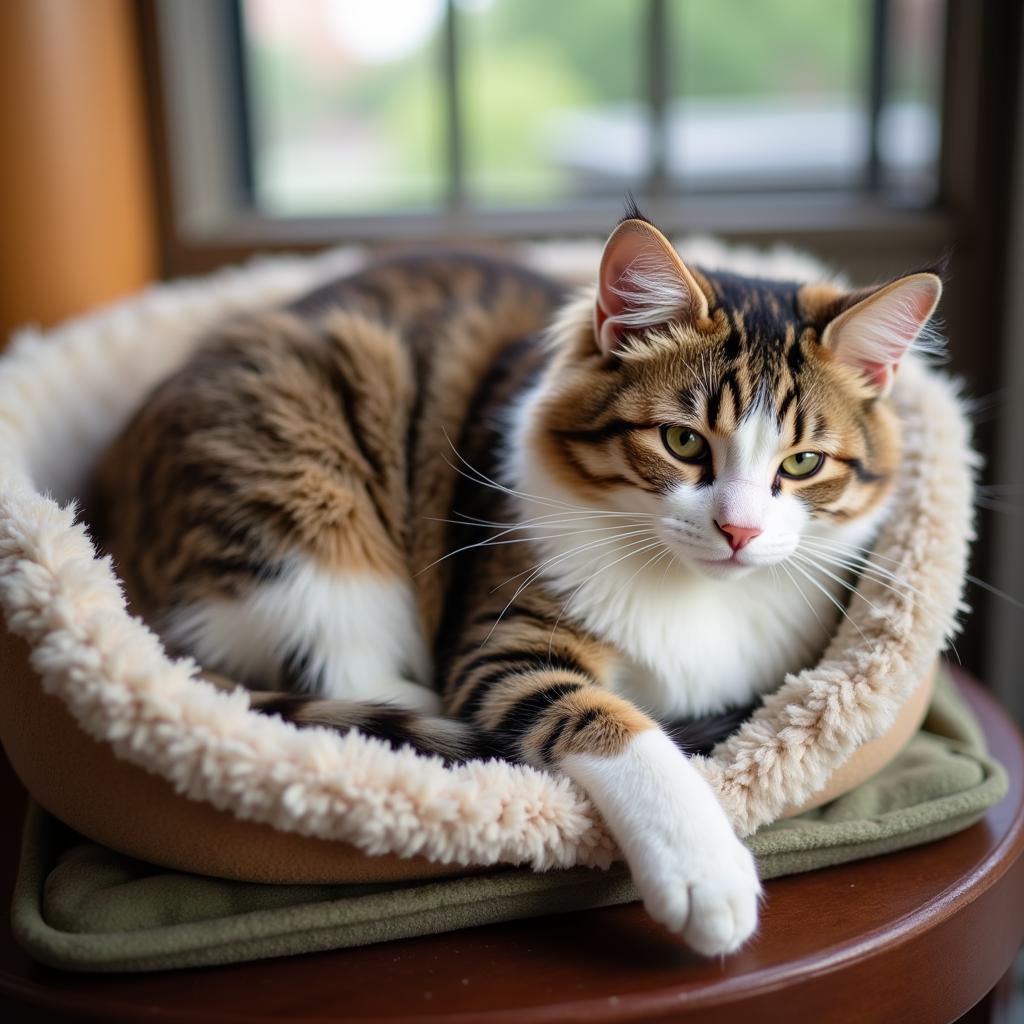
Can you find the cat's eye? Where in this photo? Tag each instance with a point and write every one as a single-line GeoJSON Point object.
{"type": "Point", "coordinates": [684, 443]}
{"type": "Point", "coordinates": [802, 464]}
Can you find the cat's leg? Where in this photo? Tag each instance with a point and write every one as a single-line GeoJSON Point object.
{"type": "Point", "coordinates": [695, 876]}
{"type": "Point", "coordinates": [538, 691]}
{"type": "Point", "coordinates": [337, 634]}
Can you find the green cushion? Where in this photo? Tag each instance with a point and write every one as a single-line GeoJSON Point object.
{"type": "Point", "coordinates": [82, 907]}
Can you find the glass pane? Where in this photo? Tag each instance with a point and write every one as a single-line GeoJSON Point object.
{"type": "Point", "coordinates": [772, 93]}
{"type": "Point", "coordinates": [346, 107]}
{"type": "Point", "coordinates": [552, 98]}
{"type": "Point", "coordinates": [910, 125]}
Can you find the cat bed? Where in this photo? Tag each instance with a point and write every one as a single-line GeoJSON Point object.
{"type": "Point", "coordinates": [137, 752]}
{"type": "Point", "coordinates": [79, 906]}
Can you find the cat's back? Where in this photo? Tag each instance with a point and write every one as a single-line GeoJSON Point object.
{"type": "Point", "coordinates": [410, 289]}
{"type": "Point", "coordinates": [318, 427]}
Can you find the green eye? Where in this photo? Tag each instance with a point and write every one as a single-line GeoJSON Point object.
{"type": "Point", "coordinates": [803, 464]}
{"type": "Point", "coordinates": [684, 444]}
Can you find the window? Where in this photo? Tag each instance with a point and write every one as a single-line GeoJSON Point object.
{"type": "Point", "coordinates": [401, 118]}
{"type": "Point", "coordinates": [488, 104]}
{"type": "Point", "coordinates": [346, 105]}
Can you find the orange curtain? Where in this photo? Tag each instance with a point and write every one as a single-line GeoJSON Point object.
{"type": "Point", "coordinates": [77, 216]}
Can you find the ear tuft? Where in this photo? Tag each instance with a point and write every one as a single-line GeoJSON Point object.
{"type": "Point", "coordinates": [875, 334]}
{"type": "Point", "coordinates": [632, 211]}
{"type": "Point", "coordinates": [642, 283]}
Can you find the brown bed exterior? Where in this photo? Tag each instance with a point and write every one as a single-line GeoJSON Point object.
{"type": "Point", "coordinates": [83, 783]}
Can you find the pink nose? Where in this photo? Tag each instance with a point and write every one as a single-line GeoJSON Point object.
{"type": "Point", "coordinates": [738, 536]}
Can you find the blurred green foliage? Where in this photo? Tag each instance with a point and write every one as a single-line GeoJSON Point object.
{"type": "Point", "coordinates": [747, 47]}
{"type": "Point", "coordinates": [521, 60]}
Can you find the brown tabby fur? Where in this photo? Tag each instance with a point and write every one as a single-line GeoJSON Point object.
{"type": "Point", "coordinates": [331, 427]}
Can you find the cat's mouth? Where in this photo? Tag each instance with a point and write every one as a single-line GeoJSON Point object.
{"type": "Point", "coordinates": [736, 564]}
{"type": "Point", "coordinates": [733, 560]}
{"type": "Point", "coordinates": [726, 567]}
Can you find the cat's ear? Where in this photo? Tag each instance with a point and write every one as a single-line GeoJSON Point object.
{"type": "Point", "coordinates": [642, 283]}
{"type": "Point", "coordinates": [874, 334]}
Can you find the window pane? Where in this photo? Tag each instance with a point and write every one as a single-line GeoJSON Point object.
{"type": "Point", "coordinates": [345, 104]}
{"type": "Point", "coordinates": [769, 93]}
{"type": "Point", "coordinates": [552, 98]}
{"type": "Point", "coordinates": [348, 112]}
{"type": "Point", "coordinates": [910, 125]}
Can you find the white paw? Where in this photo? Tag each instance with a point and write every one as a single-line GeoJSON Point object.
{"type": "Point", "coordinates": [709, 894]}
{"type": "Point", "coordinates": [694, 875]}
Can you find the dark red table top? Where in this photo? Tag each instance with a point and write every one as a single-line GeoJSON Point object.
{"type": "Point", "coordinates": [919, 935]}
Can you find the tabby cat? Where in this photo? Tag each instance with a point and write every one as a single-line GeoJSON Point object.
{"type": "Point", "coordinates": [446, 504]}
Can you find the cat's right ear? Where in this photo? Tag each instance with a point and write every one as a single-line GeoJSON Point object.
{"type": "Point", "coordinates": [875, 333]}
{"type": "Point", "coordinates": [642, 283]}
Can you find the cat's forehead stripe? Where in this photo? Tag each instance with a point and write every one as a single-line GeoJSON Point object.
{"type": "Point", "coordinates": [767, 307]}
{"type": "Point", "coordinates": [761, 343]}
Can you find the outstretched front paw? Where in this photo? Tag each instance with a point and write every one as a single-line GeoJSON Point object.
{"type": "Point", "coordinates": [706, 890]}
{"type": "Point", "coordinates": [694, 875]}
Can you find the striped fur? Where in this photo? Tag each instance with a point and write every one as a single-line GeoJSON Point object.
{"type": "Point", "coordinates": [439, 484]}
{"type": "Point", "coordinates": [448, 738]}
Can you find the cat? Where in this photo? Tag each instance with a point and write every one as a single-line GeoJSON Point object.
{"type": "Point", "coordinates": [446, 503]}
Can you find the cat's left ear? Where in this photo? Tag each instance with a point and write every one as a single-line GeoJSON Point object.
{"type": "Point", "coordinates": [642, 283]}
{"type": "Point", "coordinates": [874, 335]}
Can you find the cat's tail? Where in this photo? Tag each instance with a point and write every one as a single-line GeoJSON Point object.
{"type": "Point", "coordinates": [448, 738]}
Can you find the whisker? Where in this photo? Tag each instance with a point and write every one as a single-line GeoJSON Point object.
{"type": "Point", "coordinates": [668, 564]}
{"type": "Point", "coordinates": [864, 567]}
{"type": "Point", "coordinates": [579, 549]}
{"type": "Point", "coordinates": [552, 519]}
{"type": "Point", "coordinates": [658, 554]}
{"type": "Point", "coordinates": [995, 505]}
{"type": "Point", "coordinates": [594, 575]}
{"type": "Point", "coordinates": [536, 573]}
{"type": "Point", "coordinates": [814, 611]}
{"type": "Point", "coordinates": [495, 541]}
{"type": "Point", "coordinates": [855, 551]}
{"type": "Point", "coordinates": [838, 579]}
{"type": "Point", "coordinates": [502, 489]}
{"type": "Point", "coordinates": [482, 478]}
{"type": "Point", "coordinates": [993, 590]}
{"type": "Point", "coordinates": [803, 572]}
{"type": "Point", "coordinates": [862, 553]}
{"type": "Point", "coordinates": [900, 588]}
{"type": "Point", "coordinates": [923, 606]}
{"type": "Point", "coordinates": [993, 490]}
{"type": "Point", "coordinates": [587, 513]}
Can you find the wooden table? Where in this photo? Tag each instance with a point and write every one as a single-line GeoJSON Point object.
{"type": "Point", "coordinates": [921, 935]}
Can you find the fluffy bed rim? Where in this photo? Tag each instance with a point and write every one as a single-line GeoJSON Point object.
{"type": "Point", "coordinates": [64, 394]}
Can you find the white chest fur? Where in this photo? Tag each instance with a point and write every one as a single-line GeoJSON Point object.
{"type": "Point", "coordinates": [712, 645]}
{"type": "Point", "coordinates": [691, 645]}
{"type": "Point", "coordinates": [688, 644]}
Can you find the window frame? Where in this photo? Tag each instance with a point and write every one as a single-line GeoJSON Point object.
{"type": "Point", "coordinates": [205, 201]}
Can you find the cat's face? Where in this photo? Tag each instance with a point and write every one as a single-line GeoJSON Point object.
{"type": "Point", "coordinates": [736, 417]}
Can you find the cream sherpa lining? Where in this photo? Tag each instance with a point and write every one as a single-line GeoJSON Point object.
{"type": "Point", "coordinates": [65, 393]}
